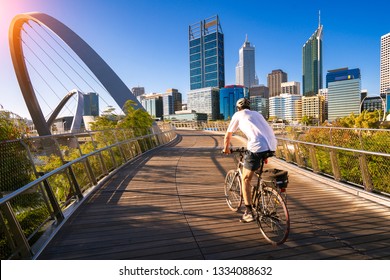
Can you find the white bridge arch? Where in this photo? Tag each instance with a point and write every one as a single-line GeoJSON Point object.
{"type": "Point", "coordinates": [103, 72]}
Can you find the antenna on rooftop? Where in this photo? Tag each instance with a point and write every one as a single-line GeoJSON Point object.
{"type": "Point", "coordinates": [319, 18]}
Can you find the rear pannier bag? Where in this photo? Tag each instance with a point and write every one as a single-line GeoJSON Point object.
{"type": "Point", "coordinates": [277, 176]}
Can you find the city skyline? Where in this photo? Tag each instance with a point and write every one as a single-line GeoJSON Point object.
{"type": "Point", "coordinates": [151, 38]}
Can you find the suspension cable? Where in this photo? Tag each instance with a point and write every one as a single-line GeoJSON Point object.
{"type": "Point", "coordinates": [77, 62]}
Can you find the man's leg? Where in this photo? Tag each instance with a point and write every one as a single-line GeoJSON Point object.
{"type": "Point", "coordinates": [246, 185]}
{"type": "Point", "coordinates": [247, 195]}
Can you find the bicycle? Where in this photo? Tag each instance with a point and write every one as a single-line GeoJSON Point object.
{"type": "Point", "coordinates": [268, 204]}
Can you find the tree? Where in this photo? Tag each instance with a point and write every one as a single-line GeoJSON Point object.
{"type": "Point", "coordinates": [11, 126]}
{"type": "Point", "coordinates": [107, 120]}
{"type": "Point", "coordinates": [136, 119]}
{"type": "Point", "coordinates": [15, 169]}
{"type": "Point", "coordinates": [306, 120]}
{"type": "Point", "coordinates": [363, 120]}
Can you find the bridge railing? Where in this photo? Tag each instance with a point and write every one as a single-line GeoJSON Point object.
{"type": "Point", "coordinates": [44, 179]}
{"type": "Point", "coordinates": [364, 169]}
{"type": "Point", "coordinates": [356, 156]}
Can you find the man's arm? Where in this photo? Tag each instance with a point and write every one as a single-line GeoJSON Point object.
{"type": "Point", "coordinates": [226, 142]}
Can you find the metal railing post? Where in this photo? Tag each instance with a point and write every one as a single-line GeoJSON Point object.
{"type": "Point", "coordinates": [19, 242]}
{"type": "Point", "coordinates": [335, 165]}
{"type": "Point", "coordinates": [102, 163]}
{"type": "Point", "coordinates": [286, 152]}
{"type": "Point", "coordinates": [367, 182]}
{"type": "Point", "coordinates": [53, 201]}
{"type": "Point", "coordinates": [298, 155]}
{"type": "Point", "coordinates": [313, 158]}
{"type": "Point", "coordinates": [120, 148]}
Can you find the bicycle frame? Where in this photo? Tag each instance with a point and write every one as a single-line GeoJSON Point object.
{"type": "Point", "coordinates": [271, 213]}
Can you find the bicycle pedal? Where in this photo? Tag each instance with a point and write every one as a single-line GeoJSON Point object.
{"type": "Point", "coordinates": [245, 222]}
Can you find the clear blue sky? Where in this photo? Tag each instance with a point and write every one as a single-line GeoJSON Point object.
{"type": "Point", "coordinates": [146, 41]}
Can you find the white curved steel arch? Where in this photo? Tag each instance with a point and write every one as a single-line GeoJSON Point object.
{"type": "Point", "coordinates": [110, 80]}
{"type": "Point", "coordinates": [78, 116]}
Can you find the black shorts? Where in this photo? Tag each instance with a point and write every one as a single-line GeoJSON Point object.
{"type": "Point", "coordinates": [252, 161]}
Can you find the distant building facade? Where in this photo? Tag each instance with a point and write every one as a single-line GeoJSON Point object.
{"type": "Point", "coordinates": [344, 92]}
{"type": "Point", "coordinates": [291, 87]}
{"type": "Point", "coordinates": [153, 104]}
{"type": "Point", "coordinates": [204, 100]}
{"type": "Point", "coordinates": [274, 82]}
{"type": "Point", "coordinates": [286, 107]}
{"type": "Point", "coordinates": [172, 101]}
{"type": "Point", "coordinates": [259, 90]}
{"type": "Point", "coordinates": [259, 97]}
{"type": "Point", "coordinates": [312, 63]}
{"type": "Point", "coordinates": [228, 97]}
{"type": "Point", "coordinates": [91, 104]}
{"type": "Point", "coordinates": [314, 108]}
{"type": "Point", "coordinates": [372, 103]}
{"type": "Point", "coordinates": [186, 115]}
{"type": "Point", "coordinates": [385, 64]}
{"type": "Point", "coordinates": [206, 49]}
{"type": "Point", "coordinates": [261, 105]}
{"type": "Point", "coordinates": [386, 97]}
{"type": "Point", "coordinates": [245, 69]}
{"type": "Point", "coordinates": [137, 91]}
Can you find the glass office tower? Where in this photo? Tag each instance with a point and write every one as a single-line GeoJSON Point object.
{"type": "Point", "coordinates": [228, 97]}
{"type": "Point", "coordinates": [91, 104]}
{"type": "Point", "coordinates": [207, 61]}
{"type": "Point", "coordinates": [312, 64]}
{"type": "Point", "coordinates": [344, 92]}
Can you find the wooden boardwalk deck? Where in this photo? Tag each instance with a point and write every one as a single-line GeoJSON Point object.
{"type": "Point", "coordinates": [169, 204]}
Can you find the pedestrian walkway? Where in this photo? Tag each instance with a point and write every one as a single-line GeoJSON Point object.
{"type": "Point", "coordinates": [169, 204]}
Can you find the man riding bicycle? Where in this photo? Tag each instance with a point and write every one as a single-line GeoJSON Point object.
{"type": "Point", "coordinates": [261, 140]}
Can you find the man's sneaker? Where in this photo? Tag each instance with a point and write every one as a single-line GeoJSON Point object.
{"type": "Point", "coordinates": [247, 218]}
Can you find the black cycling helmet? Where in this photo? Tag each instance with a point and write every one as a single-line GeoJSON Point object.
{"type": "Point", "coordinates": [243, 103]}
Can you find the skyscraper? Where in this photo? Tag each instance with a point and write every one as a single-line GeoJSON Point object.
{"type": "Point", "coordinates": [91, 104]}
{"type": "Point", "coordinates": [245, 69]}
{"type": "Point", "coordinates": [207, 61]}
{"type": "Point", "coordinates": [274, 82]}
{"type": "Point", "coordinates": [312, 63]}
{"type": "Point", "coordinates": [344, 92]}
{"type": "Point", "coordinates": [385, 64]}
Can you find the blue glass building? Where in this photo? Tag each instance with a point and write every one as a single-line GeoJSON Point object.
{"type": "Point", "coordinates": [207, 61]}
{"type": "Point", "coordinates": [344, 92]}
{"type": "Point", "coordinates": [228, 98]}
{"type": "Point", "coordinates": [342, 74]}
{"type": "Point", "coordinates": [387, 101]}
{"type": "Point", "coordinates": [91, 104]}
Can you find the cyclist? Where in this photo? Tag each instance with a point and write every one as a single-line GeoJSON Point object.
{"type": "Point", "coordinates": [261, 140]}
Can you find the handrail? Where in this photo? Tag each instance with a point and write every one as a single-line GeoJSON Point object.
{"type": "Point", "coordinates": [21, 245]}
{"type": "Point", "coordinates": [365, 168]}
{"type": "Point", "coordinates": [56, 171]}
{"type": "Point", "coordinates": [334, 147]}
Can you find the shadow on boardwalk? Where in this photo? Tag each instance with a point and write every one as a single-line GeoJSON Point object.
{"type": "Point", "coordinates": [169, 204]}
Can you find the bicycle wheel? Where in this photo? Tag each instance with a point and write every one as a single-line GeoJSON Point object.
{"type": "Point", "coordinates": [272, 216]}
{"type": "Point", "coordinates": [233, 190]}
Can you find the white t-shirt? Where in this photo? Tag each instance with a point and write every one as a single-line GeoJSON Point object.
{"type": "Point", "coordinates": [260, 135]}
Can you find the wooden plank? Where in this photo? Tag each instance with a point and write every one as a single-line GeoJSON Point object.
{"type": "Point", "coordinates": [169, 204]}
